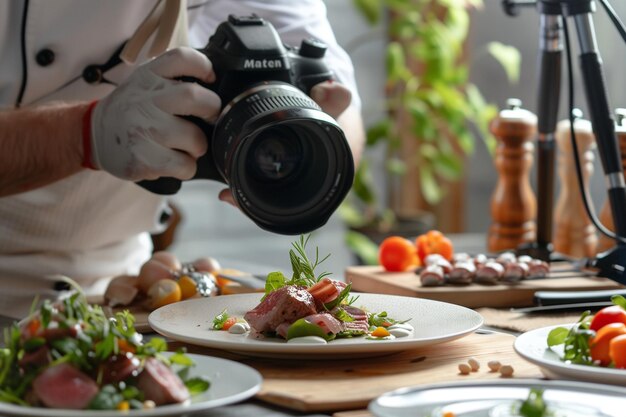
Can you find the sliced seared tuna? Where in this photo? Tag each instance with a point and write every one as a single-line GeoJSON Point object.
{"type": "Point", "coordinates": [359, 321]}
{"type": "Point", "coordinates": [64, 386]}
{"type": "Point", "coordinates": [160, 384]}
{"type": "Point", "coordinates": [327, 322]}
{"type": "Point", "coordinates": [286, 304]}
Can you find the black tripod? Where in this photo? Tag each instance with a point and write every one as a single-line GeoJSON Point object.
{"type": "Point", "coordinates": [611, 264]}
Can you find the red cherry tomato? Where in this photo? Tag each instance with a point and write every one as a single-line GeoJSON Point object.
{"type": "Point", "coordinates": [433, 242]}
{"type": "Point", "coordinates": [397, 254]}
{"type": "Point", "coordinates": [611, 314]}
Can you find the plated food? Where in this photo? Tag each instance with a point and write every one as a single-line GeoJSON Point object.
{"type": "Point", "coordinates": [519, 398]}
{"type": "Point", "coordinates": [311, 315]}
{"type": "Point", "coordinates": [588, 350]}
{"type": "Point", "coordinates": [69, 355]}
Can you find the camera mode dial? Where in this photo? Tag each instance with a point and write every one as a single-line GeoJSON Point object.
{"type": "Point", "coordinates": [312, 48]}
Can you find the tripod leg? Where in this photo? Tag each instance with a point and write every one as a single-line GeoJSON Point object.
{"type": "Point", "coordinates": [550, 57]}
{"type": "Point", "coordinates": [611, 264]}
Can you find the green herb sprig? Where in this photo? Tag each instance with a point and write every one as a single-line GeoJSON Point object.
{"type": "Point", "coordinates": [575, 340]}
{"type": "Point", "coordinates": [303, 268]}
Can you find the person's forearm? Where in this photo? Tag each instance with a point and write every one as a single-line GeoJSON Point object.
{"type": "Point", "coordinates": [351, 123]}
{"type": "Point", "coordinates": [39, 145]}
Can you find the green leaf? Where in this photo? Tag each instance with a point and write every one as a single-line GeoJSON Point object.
{"type": "Point", "coordinates": [557, 336]}
{"type": "Point", "coordinates": [370, 9]}
{"type": "Point", "coordinates": [351, 215]}
{"type": "Point", "coordinates": [363, 186]}
{"type": "Point", "coordinates": [362, 246]}
{"type": "Point", "coordinates": [509, 57]}
{"type": "Point", "coordinates": [448, 165]}
{"type": "Point", "coordinates": [179, 358]}
{"type": "Point", "coordinates": [396, 166]}
{"type": "Point", "coordinates": [396, 65]}
{"type": "Point", "coordinates": [534, 405]}
{"type": "Point", "coordinates": [275, 280]}
{"type": "Point", "coordinates": [197, 385]}
{"type": "Point", "coordinates": [378, 132]}
{"type": "Point", "coordinates": [430, 188]}
{"type": "Point", "coordinates": [619, 300]}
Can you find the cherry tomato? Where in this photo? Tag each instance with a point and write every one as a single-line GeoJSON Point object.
{"type": "Point", "coordinates": [599, 344]}
{"type": "Point", "coordinates": [617, 351]}
{"type": "Point", "coordinates": [611, 314]}
{"type": "Point", "coordinates": [433, 242]}
{"type": "Point", "coordinates": [397, 254]}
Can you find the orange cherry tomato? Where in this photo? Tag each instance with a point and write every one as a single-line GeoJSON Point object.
{"type": "Point", "coordinates": [229, 323]}
{"type": "Point", "coordinates": [397, 254]}
{"type": "Point", "coordinates": [611, 314]}
{"type": "Point", "coordinates": [433, 242]}
{"type": "Point", "coordinates": [599, 344]}
{"type": "Point", "coordinates": [617, 351]}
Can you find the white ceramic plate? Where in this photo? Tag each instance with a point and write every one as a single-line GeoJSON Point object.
{"type": "Point", "coordinates": [434, 322]}
{"type": "Point", "coordinates": [497, 399]}
{"type": "Point", "coordinates": [533, 347]}
{"type": "Point", "coordinates": [231, 382]}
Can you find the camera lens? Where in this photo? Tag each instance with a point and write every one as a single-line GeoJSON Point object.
{"type": "Point", "coordinates": [275, 155]}
{"type": "Point", "coordinates": [288, 163]}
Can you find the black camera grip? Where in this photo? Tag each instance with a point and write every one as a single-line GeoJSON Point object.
{"type": "Point", "coordinates": [163, 185]}
{"type": "Point", "coordinates": [205, 166]}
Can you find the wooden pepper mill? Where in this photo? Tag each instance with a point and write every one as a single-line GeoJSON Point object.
{"type": "Point", "coordinates": [606, 217]}
{"type": "Point", "coordinates": [574, 234]}
{"type": "Point", "coordinates": [513, 203]}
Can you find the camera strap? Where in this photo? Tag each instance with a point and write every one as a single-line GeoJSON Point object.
{"type": "Point", "coordinates": [168, 19]}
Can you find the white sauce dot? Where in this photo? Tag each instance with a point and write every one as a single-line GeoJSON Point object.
{"type": "Point", "coordinates": [309, 340]}
{"type": "Point", "coordinates": [401, 330]}
{"type": "Point", "coordinates": [239, 328]}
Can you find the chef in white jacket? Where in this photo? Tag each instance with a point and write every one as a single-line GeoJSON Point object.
{"type": "Point", "coordinates": [85, 111]}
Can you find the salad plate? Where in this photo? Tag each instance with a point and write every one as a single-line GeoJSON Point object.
{"type": "Point", "coordinates": [231, 382]}
{"type": "Point", "coordinates": [533, 347]}
{"type": "Point", "coordinates": [502, 399]}
{"type": "Point", "coordinates": [433, 322]}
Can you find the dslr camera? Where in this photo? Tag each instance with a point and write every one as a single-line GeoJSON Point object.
{"type": "Point", "coordinates": [287, 163]}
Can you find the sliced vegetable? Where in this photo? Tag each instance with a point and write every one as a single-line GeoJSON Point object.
{"type": "Point", "coordinates": [302, 328]}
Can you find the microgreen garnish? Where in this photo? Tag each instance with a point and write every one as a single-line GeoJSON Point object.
{"type": "Point", "coordinates": [220, 319]}
{"type": "Point", "coordinates": [575, 340]}
{"type": "Point", "coordinates": [83, 336]}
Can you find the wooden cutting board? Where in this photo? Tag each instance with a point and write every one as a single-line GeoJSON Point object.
{"type": "Point", "coordinates": [333, 385]}
{"type": "Point", "coordinates": [374, 279]}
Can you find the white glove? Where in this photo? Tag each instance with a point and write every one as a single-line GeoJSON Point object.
{"type": "Point", "coordinates": [135, 131]}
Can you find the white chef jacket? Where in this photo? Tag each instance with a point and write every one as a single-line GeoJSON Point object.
{"type": "Point", "coordinates": [92, 226]}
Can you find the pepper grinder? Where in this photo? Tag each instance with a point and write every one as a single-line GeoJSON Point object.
{"type": "Point", "coordinates": [606, 217]}
{"type": "Point", "coordinates": [575, 234]}
{"type": "Point", "coordinates": [513, 202]}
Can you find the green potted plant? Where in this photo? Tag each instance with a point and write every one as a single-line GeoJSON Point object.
{"type": "Point", "coordinates": [434, 114]}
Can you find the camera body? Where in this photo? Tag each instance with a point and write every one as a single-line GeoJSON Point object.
{"type": "Point", "coordinates": [246, 50]}
{"type": "Point", "coordinates": [287, 163]}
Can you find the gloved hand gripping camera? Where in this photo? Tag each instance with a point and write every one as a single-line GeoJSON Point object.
{"type": "Point", "coordinates": [287, 163]}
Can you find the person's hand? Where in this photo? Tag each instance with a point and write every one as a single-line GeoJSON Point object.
{"type": "Point", "coordinates": [331, 96]}
{"type": "Point", "coordinates": [136, 133]}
